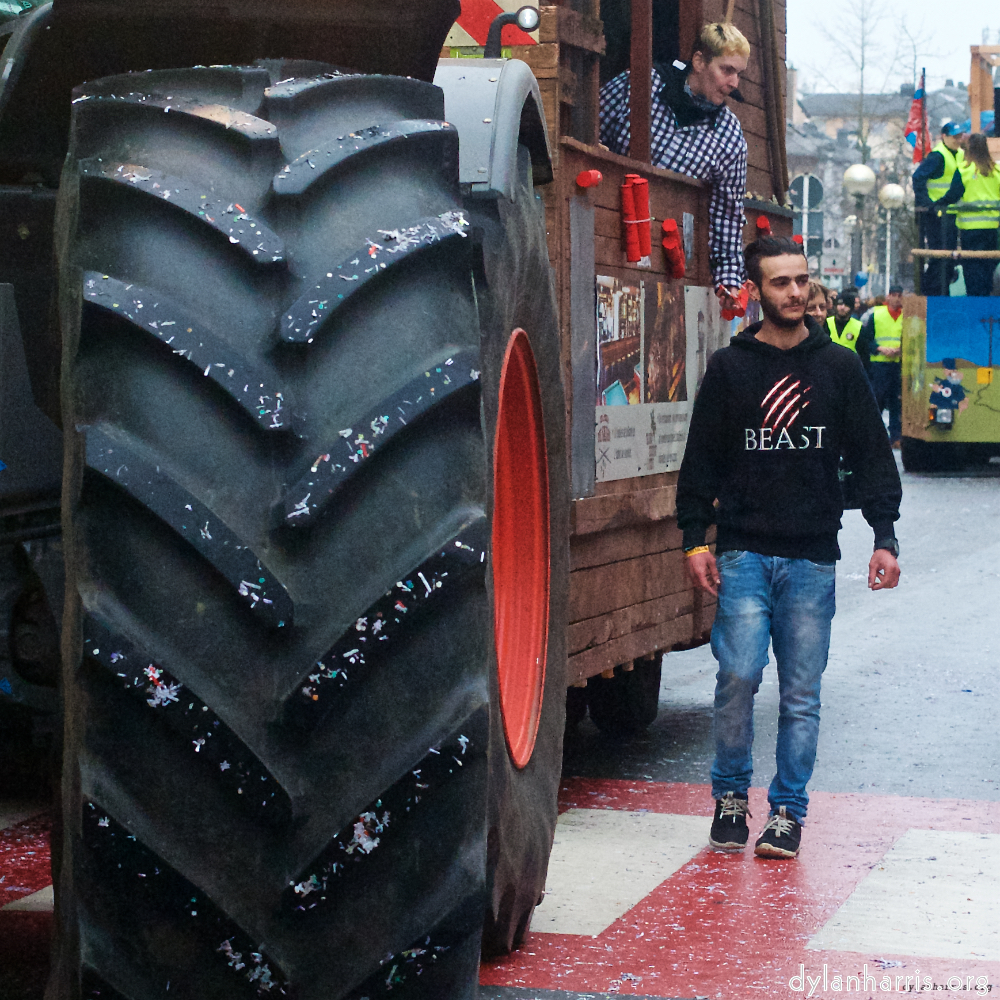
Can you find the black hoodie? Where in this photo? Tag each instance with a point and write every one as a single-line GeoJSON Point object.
{"type": "Point", "coordinates": [768, 430]}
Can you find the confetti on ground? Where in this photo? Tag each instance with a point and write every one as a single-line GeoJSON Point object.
{"type": "Point", "coordinates": [25, 865]}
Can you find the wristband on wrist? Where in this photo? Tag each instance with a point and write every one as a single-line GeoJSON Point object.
{"type": "Point", "coordinates": [696, 551]}
{"type": "Point", "coordinates": [889, 544]}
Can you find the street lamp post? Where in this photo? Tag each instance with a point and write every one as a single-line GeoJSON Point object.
{"type": "Point", "coordinates": [851, 224]}
{"type": "Point", "coordinates": [891, 196]}
{"type": "Point", "coordinates": [859, 180]}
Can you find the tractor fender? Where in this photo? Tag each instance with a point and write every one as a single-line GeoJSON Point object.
{"type": "Point", "coordinates": [495, 104]}
{"type": "Point", "coordinates": [22, 34]}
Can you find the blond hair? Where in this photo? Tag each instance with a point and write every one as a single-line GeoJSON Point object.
{"type": "Point", "coordinates": [816, 289]}
{"type": "Point", "coordinates": [721, 39]}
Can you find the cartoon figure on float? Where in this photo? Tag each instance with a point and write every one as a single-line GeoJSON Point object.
{"type": "Point", "coordinates": [947, 396]}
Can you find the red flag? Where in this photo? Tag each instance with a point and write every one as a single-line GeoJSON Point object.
{"type": "Point", "coordinates": [916, 125]}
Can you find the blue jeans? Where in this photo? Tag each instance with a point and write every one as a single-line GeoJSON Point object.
{"type": "Point", "coordinates": [791, 603]}
{"type": "Point", "coordinates": [887, 386]}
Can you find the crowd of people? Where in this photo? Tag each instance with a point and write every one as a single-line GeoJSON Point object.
{"type": "Point", "coordinates": [872, 328]}
{"type": "Point", "coordinates": [956, 190]}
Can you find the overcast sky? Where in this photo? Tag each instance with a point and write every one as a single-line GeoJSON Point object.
{"type": "Point", "coordinates": [944, 31]}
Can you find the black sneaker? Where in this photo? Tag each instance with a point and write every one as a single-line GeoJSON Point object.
{"type": "Point", "coordinates": [781, 837]}
{"type": "Point", "coordinates": [729, 824]}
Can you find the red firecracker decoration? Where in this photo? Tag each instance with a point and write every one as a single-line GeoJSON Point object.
{"type": "Point", "coordinates": [635, 217]}
{"type": "Point", "coordinates": [763, 225]}
{"type": "Point", "coordinates": [741, 308]}
{"type": "Point", "coordinates": [674, 251]}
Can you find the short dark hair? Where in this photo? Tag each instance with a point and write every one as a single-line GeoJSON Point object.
{"type": "Point", "coordinates": [768, 246]}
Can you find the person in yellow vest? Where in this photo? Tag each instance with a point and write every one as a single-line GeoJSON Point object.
{"type": "Point", "coordinates": [975, 191]}
{"type": "Point", "coordinates": [931, 182]}
{"type": "Point", "coordinates": [844, 328]}
{"type": "Point", "coordinates": [882, 340]}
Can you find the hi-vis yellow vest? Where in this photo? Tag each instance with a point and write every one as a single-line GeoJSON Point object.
{"type": "Point", "coordinates": [849, 338]}
{"type": "Point", "coordinates": [937, 187]}
{"type": "Point", "coordinates": [979, 189]}
{"type": "Point", "coordinates": [888, 332]}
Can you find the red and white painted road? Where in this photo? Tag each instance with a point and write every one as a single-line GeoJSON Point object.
{"type": "Point", "coordinates": [907, 889]}
{"type": "Point", "coordinates": [25, 901]}
{"type": "Point", "coordinates": [899, 870]}
{"type": "Point", "coordinates": [890, 894]}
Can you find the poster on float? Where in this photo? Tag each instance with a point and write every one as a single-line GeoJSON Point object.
{"type": "Point", "coordinates": [950, 372]}
{"type": "Point", "coordinates": [654, 339]}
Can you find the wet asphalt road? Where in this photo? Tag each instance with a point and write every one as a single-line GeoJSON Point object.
{"type": "Point", "coordinates": [909, 695]}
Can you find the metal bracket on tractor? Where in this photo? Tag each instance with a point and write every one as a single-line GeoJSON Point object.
{"type": "Point", "coordinates": [496, 105]}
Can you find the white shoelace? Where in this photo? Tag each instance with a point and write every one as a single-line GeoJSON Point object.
{"type": "Point", "coordinates": [780, 824]}
{"type": "Point", "coordinates": [732, 806]}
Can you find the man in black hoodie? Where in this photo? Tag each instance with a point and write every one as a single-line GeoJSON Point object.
{"type": "Point", "coordinates": [776, 410]}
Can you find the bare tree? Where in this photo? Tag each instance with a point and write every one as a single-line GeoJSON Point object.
{"type": "Point", "coordinates": [917, 44]}
{"type": "Point", "coordinates": [858, 23]}
{"type": "Point", "coordinates": [879, 42]}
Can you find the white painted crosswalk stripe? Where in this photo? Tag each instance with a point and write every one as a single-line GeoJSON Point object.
{"type": "Point", "coordinates": [606, 861]}
{"type": "Point", "coordinates": [935, 893]}
{"type": "Point", "coordinates": [38, 902]}
{"type": "Point", "coordinates": [12, 813]}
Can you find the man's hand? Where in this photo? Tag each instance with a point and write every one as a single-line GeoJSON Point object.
{"type": "Point", "coordinates": [728, 297]}
{"type": "Point", "coordinates": [883, 570]}
{"type": "Point", "coordinates": [889, 352]}
{"type": "Point", "coordinates": [703, 573]}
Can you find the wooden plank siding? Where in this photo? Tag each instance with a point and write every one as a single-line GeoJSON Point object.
{"type": "Point", "coordinates": [626, 542]}
{"type": "Point", "coordinates": [600, 590]}
{"type": "Point", "coordinates": [628, 593]}
{"type": "Point", "coordinates": [592, 633]}
{"type": "Point", "coordinates": [665, 636]}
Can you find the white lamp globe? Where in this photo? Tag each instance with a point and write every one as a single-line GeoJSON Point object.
{"type": "Point", "coordinates": [891, 196]}
{"type": "Point", "coordinates": [859, 179]}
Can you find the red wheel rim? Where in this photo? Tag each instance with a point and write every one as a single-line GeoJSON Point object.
{"type": "Point", "coordinates": [520, 548]}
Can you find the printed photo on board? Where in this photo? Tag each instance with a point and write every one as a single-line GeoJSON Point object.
{"type": "Point", "coordinates": [665, 344]}
{"type": "Point", "coordinates": [619, 342]}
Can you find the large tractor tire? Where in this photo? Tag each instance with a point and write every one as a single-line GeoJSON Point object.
{"type": "Point", "coordinates": [278, 630]}
{"type": "Point", "coordinates": [524, 414]}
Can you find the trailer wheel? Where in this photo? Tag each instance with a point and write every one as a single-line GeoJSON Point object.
{"type": "Point", "coordinates": [933, 456]}
{"type": "Point", "coordinates": [29, 635]}
{"type": "Point", "coordinates": [626, 704]}
{"type": "Point", "coordinates": [530, 541]}
{"type": "Point", "coordinates": [576, 707]}
{"type": "Point", "coordinates": [278, 631]}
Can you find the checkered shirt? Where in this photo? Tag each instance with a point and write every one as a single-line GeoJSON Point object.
{"type": "Point", "coordinates": [716, 153]}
